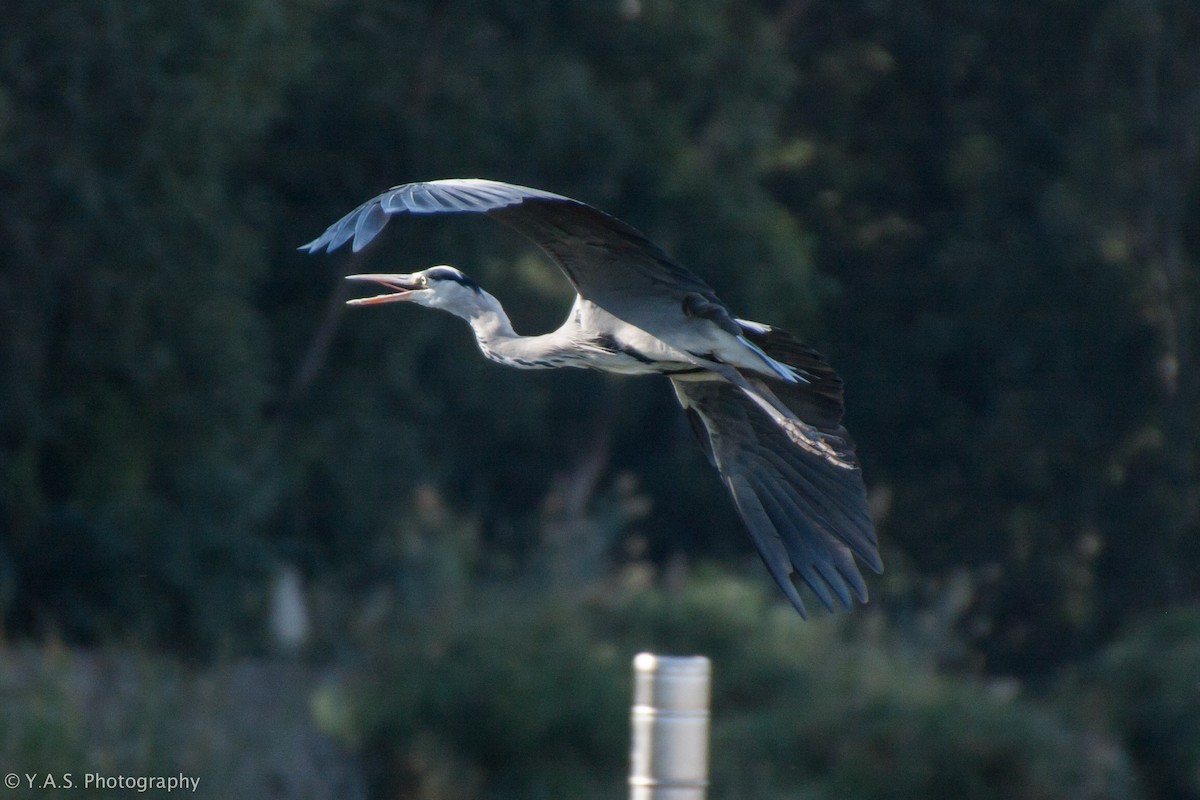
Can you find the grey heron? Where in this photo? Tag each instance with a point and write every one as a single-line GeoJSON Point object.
{"type": "Point", "coordinates": [766, 408]}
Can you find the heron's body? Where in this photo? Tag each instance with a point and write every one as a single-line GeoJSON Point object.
{"type": "Point", "coordinates": [766, 408]}
{"type": "Point", "coordinates": [591, 338]}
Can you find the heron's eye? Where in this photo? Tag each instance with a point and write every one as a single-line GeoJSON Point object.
{"type": "Point", "coordinates": [424, 281]}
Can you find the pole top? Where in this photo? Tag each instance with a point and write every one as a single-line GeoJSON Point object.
{"type": "Point", "coordinates": [671, 683]}
{"type": "Point", "coordinates": [672, 665]}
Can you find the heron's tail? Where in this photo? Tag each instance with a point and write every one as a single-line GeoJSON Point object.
{"type": "Point", "coordinates": [817, 400]}
{"type": "Point", "coordinates": [786, 373]}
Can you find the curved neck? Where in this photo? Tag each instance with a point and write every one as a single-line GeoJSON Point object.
{"type": "Point", "coordinates": [491, 325]}
{"type": "Point", "coordinates": [499, 342]}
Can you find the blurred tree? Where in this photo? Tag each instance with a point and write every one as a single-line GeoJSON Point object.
{"type": "Point", "coordinates": [132, 353]}
{"type": "Point", "coordinates": [965, 182]}
{"type": "Point", "coordinates": [1139, 161]}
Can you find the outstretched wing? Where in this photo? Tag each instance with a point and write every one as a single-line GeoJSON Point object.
{"type": "Point", "coordinates": [807, 517]}
{"type": "Point", "coordinates": [609, 262]}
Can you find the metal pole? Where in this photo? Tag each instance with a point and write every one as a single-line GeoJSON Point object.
{"type": "Point", "coordinates": [669, 757]}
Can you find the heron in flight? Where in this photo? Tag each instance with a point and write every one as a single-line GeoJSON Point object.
{"type": "Point", "coordinates": [766, 408]}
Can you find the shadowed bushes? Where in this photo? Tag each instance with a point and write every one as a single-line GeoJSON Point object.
{"type": "Point", "coordinates": [528, 698]}
{"type": "Point", "coordinates": [1147, 684]}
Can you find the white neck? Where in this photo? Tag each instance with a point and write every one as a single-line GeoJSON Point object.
{"type": "Point", "coordinates": [499, 342]}
{"type": "Point", "coordinates": [491, 324]}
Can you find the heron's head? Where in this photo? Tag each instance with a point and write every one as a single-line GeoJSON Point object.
{"type": "Point", "coordinates": [441, 287]}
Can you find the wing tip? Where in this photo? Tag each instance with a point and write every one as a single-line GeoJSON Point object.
{"type": "Point", "coordinates": [793, 596]}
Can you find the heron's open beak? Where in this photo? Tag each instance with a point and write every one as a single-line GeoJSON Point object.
{"type": "Point", "coordinates": [402, 287]}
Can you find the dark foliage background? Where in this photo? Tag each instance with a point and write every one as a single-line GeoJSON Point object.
{"type": "Point", "coordinates": [985, 214]}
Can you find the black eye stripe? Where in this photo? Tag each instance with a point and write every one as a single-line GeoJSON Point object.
{"type": "Point", "coordinates": [446, 274]}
